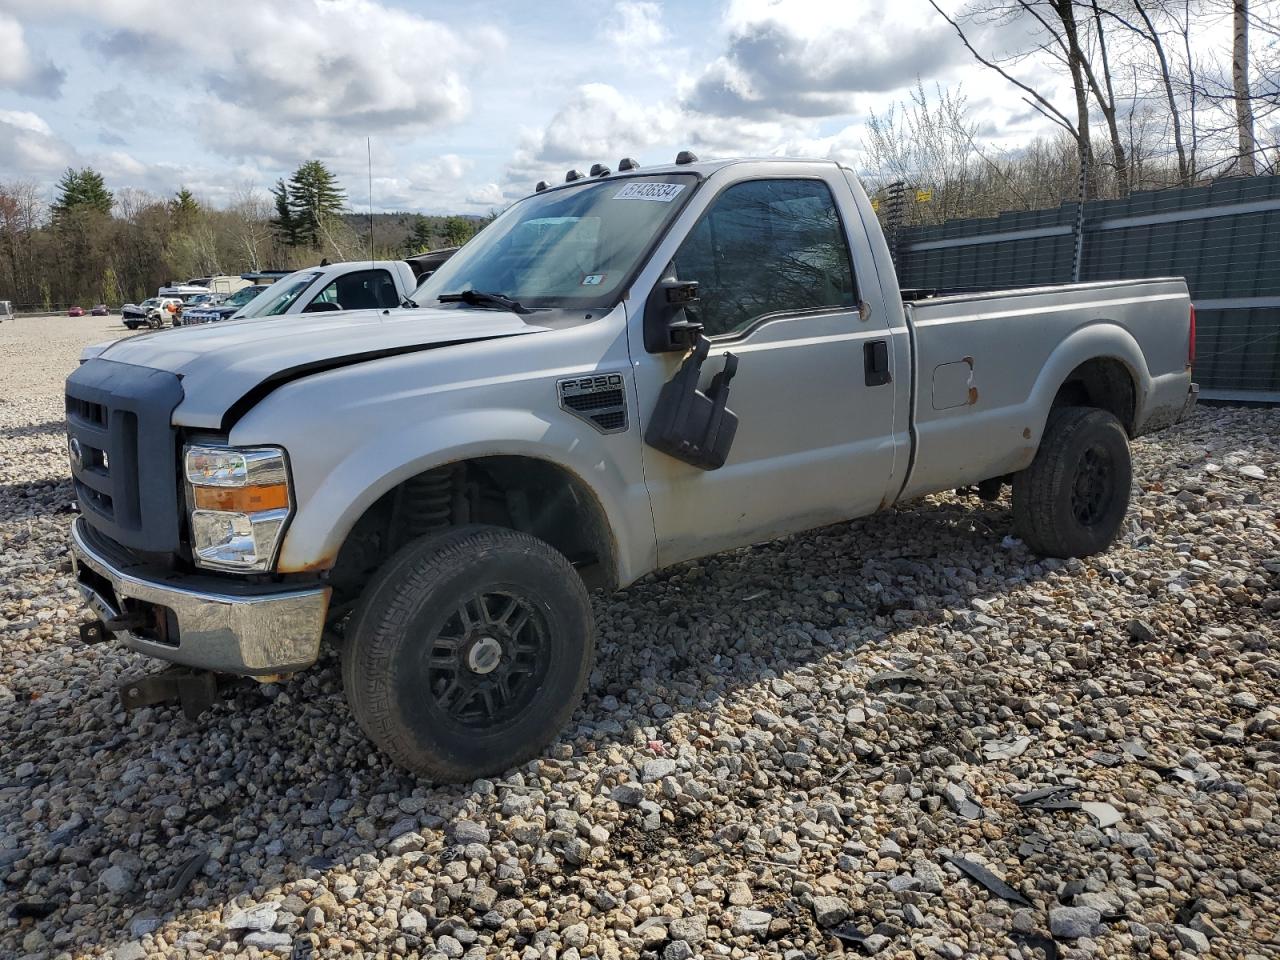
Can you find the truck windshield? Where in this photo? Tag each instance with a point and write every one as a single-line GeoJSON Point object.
{"type": "Point", "coordinates": [277, 298]}
{"type": "Point", "coordinates": [570, 247]}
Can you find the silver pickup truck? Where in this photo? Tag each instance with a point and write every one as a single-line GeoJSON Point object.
{"type": "Point", "coordinates": [623, 371]}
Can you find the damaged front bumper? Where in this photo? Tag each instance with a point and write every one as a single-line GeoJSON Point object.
{"type": "Point", "coordinates": [214, 623]}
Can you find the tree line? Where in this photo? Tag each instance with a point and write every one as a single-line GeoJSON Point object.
{"type": "Point", "coordinates": [1149, 101]}
{"type": "Point", "coordinates": [91, 244]}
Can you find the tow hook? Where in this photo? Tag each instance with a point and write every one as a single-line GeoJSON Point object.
{"type": "Point", "coordinates": [93, 632]}
{"type": "Point", "coordinates": [96, 631]}
{"type": "Point", "coordinates": [195, 690]}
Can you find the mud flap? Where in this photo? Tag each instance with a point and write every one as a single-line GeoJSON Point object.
{"type": "Point", "coordinates": [690, 425]}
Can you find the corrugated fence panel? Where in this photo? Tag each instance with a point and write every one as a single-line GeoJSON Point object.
{"type": "Point", "coordinates": [1223, 238]}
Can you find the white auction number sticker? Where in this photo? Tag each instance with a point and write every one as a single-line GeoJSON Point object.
{"type": "Point", "coordinates": [648, 190]}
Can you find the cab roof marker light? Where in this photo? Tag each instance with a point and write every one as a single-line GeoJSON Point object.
{"type": "Point", "coordinates": [573, 175]}
{"type": "Point", "coordinates": [600, 170]}
{"type": "Point", "coordinates": [686, 156]}
{"type": "Point", "coordinates": [542, 185]}
{"type": "Point", "coordinates": [628, 163]}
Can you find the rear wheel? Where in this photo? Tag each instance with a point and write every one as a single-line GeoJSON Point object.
{"type": "Point", "coordinates": [1072, 500]}
{"type": "Point", "coordinates": [468, 652]}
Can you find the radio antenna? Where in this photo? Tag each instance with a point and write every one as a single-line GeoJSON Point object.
{"type": "Point", "coordinates": [368, 146]}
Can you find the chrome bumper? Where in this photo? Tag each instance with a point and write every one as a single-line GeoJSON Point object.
{"type": "Point", "coordinates": [231, 629]}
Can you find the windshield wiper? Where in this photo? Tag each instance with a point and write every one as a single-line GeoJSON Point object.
{"type": "Point", "coordinates": [478, 298]}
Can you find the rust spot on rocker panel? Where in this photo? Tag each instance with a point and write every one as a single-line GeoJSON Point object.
{"type": "Point", "coordinates": [1026, 433]}
{"type": "Point", "coordinates": [973, 395]}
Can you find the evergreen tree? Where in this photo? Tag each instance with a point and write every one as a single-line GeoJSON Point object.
{"type": "Point", "coordinates": [282, 223]}
{"type": "Point", "coordinates": [315, 200]}
{"type": "Point", "coordinates": [419, 235]}
{"type": "Point", "coordinates": [458, 230]}
{"type": "Point", "coordinates": [184, 206]}
{"type": "Point", "coordinates": [82, 190]}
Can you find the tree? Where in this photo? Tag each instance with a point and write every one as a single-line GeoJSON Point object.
{"type": "Point", "coordinates": [1240, 86]}
{"type": "Point", "coordinates": [282, 223]}
{"type": "Point", "coordinates": [315, 202]}
{"type": "Point", "coordinates": [184, 206]}
{"type": "Point", "coordinates": [458, 230]}
{"type": "Point", "coordinates": [420, 236]}
{"type": "Point", "coordinates": [82, 190]}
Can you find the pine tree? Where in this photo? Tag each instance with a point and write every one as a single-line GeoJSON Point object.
{"type": "Point", "coordinates": [314, 201]}
{"type": "Point", "coordinates": [419, 235]}
{"type": "Point", "coordinates": [282, 223]}
{"type": "Point", "coordinates": [458, 231]}
{"type": "Point", "coordinates": [82, 190]}
{"type": "Point", "coordinates": [184, 206]}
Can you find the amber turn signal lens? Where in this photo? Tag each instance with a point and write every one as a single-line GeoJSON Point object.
{"type": "Point", "coordinates": [273, 496]}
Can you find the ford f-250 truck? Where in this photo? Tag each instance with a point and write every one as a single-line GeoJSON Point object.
{"type": "Point", "coordinates": [621, 372]}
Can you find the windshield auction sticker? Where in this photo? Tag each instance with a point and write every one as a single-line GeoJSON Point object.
{"type": "Point", "coordinates": [662, 192]}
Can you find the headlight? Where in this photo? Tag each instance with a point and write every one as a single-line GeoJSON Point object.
{"type": "Point", "coordinates": [239, 502]}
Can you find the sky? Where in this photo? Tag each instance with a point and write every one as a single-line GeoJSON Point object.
{"type": "Point", "coordinates": [465, 106]}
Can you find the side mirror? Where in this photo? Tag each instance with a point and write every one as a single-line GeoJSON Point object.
{"type": "Point", "coordinates": [666, 328]}
{"type": "Point", "coordinates": [321, 306]}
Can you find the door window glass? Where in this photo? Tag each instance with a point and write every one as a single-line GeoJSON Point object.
{"type": "Point", "coordinates": [766, 247]}
{"type": "Point", "coordinates": [363, 290]}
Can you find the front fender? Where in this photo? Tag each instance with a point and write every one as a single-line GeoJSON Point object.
{"type": "Point", "coordinates": [366, 472]}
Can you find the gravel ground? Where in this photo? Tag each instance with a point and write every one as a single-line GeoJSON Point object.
{"type": "Point", "coordinates": [818, 745]}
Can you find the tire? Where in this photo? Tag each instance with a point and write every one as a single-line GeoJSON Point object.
{"type": "Point", "coordinates": [428, 687]}
{"type": "Point", "coordinates": [1072, 500]}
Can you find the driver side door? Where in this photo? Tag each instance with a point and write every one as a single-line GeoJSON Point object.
{"type": "Point", "coordinates": [814, 445]}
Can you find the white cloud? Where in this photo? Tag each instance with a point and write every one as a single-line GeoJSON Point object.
{"type": "Point", "coordinates": [635, 24]}
{"type": "Point", "coordinates": [19, 68]}
{"type": "Point", "coordinates": [28, 147]}
{"type": "Point", "coordinates": [292, 78]}
{"type": "Point", "coordinates": [798, 58]}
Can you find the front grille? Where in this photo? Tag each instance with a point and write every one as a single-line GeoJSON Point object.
{"type": "Point", "coordinates": [123, 452]}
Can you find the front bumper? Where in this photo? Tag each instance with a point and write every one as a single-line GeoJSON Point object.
{"type": "Point", "coordinates": [207, 622]}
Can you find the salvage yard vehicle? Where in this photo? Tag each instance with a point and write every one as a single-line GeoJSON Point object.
{"type": "Point", "coordinates": [193, 314]}
{"type": "Point", "coordinates": [620, 373]}
{"type": "Point", "coordinates": [154, 312]}
{"type": "Point", "coordinates": [355, 285]}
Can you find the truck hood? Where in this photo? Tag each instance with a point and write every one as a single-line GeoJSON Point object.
{"type": "Point", "coordinates": [224, 366]}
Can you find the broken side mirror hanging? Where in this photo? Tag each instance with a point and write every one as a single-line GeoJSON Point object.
{"type": "Point", "coordinates": [690, 425]}
{"type": "Point", "coordinates": [666, 328]}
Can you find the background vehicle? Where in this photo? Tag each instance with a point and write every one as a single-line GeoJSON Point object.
{"type": "Point", "coordinates": [6, 310]}
{"type": "Point", "coordinates": [619, 373]}
{"type": "Point", "coordinates": [76, 312]}
{"type": "Point", "coordinates": [357, 285]}
{"type": "Point", "coordinates": [101, 310]}
{"type": "Point", "coordinates": [155, 312]}
{"type": "Point", "coordinates": [225, 309]}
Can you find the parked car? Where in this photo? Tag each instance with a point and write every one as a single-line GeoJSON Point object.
{"type": "Point", "coordinates": [357, 285]}
{"type": "Point", "coordinates": [154, 312]}
{"type": "Point", "coordinates": [76, 312]}
{"type": "Point", "coordinates": [620, 373]}
{"type": "Point", "coordinates": [101, 310]}
{"type": "Point", "coordinates": [224, 310]}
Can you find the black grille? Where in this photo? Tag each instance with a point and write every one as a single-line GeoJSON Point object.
{"type": "Point", "coordinates": [600, 400]}
{"type": "Point", "coordinates": [123, 452]}
{"type": "Point", "coordinates": [614, 420]}
{"type": "Point", "coordinates": [594, 401]}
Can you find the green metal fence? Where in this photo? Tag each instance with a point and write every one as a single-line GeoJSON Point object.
{"type": "Point", "coordinates": [1224, 239]}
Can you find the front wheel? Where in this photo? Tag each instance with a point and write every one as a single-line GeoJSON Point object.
{"type": "Point", "coordinates": [468, 652]}
{"type": "Point", "coordinates": [1072, 500]}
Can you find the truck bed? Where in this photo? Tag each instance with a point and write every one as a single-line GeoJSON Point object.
{"type": "Point", "coordinates": [985, 363]}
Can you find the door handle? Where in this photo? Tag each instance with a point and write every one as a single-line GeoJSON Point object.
{"type": "Point", "coordinates": [875, 358]}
